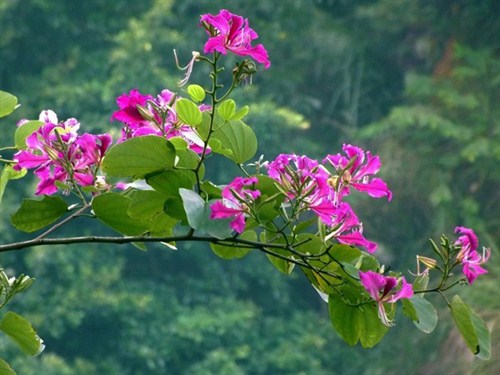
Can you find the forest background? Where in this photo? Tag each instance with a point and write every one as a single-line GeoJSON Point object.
{"type": "Point", "coordinates": [415, 81]}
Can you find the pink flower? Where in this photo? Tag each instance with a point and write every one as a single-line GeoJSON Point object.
{"type": "Point", "coordinates": [383, 289]}
{"type": "Point", "coordinates": [354, 171]}
{"type": "Point", "coordinates": [296, 173]}
{"type": "Point", "coordinates": [348, 230]}
{"type": "Point", "coordinates": [59, 154]}
{"type": "Point", "coordinates": [306, 182]}
{"type": "Point", "coordinates": [128, 112]}
{"type": "Point", "coordinates": [230, 32]}
{"type": "Point", "coordinates": [236, 199]}
{"type": "Point", "coordinates": [468, 256]}
{"type": "Point", "coordinates": [156, 116]}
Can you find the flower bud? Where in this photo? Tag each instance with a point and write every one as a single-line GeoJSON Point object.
{"type": "Point", "coordinates": [426, 261]}
{"type": "Point", "coordinates": [244, 71]}
{"type": "Point", "coordinates": [145, 113]}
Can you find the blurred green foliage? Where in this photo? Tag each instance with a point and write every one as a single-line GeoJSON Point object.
{"type": "Point", "coordinates": [418, 81]}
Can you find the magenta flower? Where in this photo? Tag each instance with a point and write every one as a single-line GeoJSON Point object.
{"type": "Point", "coordinates": [156, 117]}
{"type": "Point", "coordinates": [128, 112]}
{"type": "Point", "coordinates": [230, 32]}
{"type": "Point", "coordinates": [468, 256]}
{"type": "Point", "coordinates": [384, 289]}
{"type": "Point", "coordinates": [354, 171]}
{"type": "Point", "coordinates": [348, 230]}
{"type": "Point", "coordinates": [298, 174]}
{"type": "Point", "coordinates": [59, 154]}
{"type": "Point", "coordinates": [236, 199]}
{"type": "Point", "coordinates": [306, 182]}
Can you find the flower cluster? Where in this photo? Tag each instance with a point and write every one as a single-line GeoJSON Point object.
{"type": "Point", "coordinates": [310, 186]}
{"type": "Point", "coordinates": [147, 115]}
{"type": "Point", "coordinates": [60, 154]}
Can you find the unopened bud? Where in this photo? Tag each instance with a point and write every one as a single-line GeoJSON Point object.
{"type": "Point", "coordinates": [100, 183]}
{"type": "Point", "coordinates": [145, 113]}
{"type": "Point", "coordinates": [333, 182]}
{"type": "Point", "coordinates": [244, 71]}
{"type": "Point", "coordinates": [426, 261]}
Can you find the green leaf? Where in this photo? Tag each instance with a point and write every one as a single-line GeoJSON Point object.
{"type": "Point", "coordinates": [187, 159]}
{"type": "Point", "coordinates": [232, 252]}
{"type": "Point", "coordinates": [137, 157]}
{"type": "Point", "coordinates": [188, 112]}
{"type": "Point", "coordinates": [21, 331]}
{"type": "Point", "coordinates": [240, 113]}
{"type": "Point", "coordinates": [310, 244]}
{"type": "Point", "coordinates": [24, 131]}
{"type": "Point", "coordinates": [422, 312]}
{"type": "Point", "coordinates": [344, 319]}
{"type": "Point", "coordinates": [112, 210]}
{"type": "Point", "coordinates": [371, 329]}
{"type": "Point", "coordinates": [354, 324]}
{"type": "Point", "coordinates": [148, 207]}
{"type": "Point", "coordinates": [8, 173]}
{"type": "Point", "coordinates": [196, 92]}
{"type": "Point", "coordinates": [8, 103]}
{"type": "Point", "coordinates": [170, 181]}
{"type": "Point", "coordinates": [34, 214]}
{"type": "Point", "coordinates": [146, 204]}
{"type": "Point", "coordinates": [5, 369]}
{"type": "Point", "coordinates": [236, 140]}
{"type": "Point", "coordinates": [471, 327]}
{"type": "Point", "coordinates": [211, 190]}
{"type": "Point", "coordinates": [198, 215]}
{"type": "Point", "coordinates": [227, 109]}
{"type": "Point", "coordinates": [279, 262]}
{"type": "Point", "coordinates": [421, 282]}
{"type": "Point", "coordinates": [178, 143]}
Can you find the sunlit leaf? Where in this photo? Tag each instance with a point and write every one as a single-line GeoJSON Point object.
{"type": "Point", "coordinates": [188, 112]}
{"type": "Point", "coordinates": [8, 103]}
{"type": "Point", "coordinates": [24, 131]}
{"type": "Point", "coordinates": [8, 173]}
{"type": "Point", "coordinates": [240, 113]}
{"type": "Point", "coordinates": [196, 93]}
{"type": "Point", "coordinates": [238, 138]}
{"type": "Point", "coordinates": [5, 369]}
{"type": "Point", "coordinates": [227, 109]}
{"type": "Point", "coordinates": [35, 214]}
{"type": "Point", "coordinates": [21, 331]}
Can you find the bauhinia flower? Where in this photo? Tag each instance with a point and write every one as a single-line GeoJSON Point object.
{"type": "Point", "coordinates": [59, 154]}
{"type": "Point", "coordinates": [147, 115]}
{"type": "Point", "coordinates": [296, 173]}
{"type": "Point", "coordinates": [348, 230]}
{"type": "Point", "coordinates": [129, 113]}
{"type": "Point", "coordinates": [353, 170]}
{"type": "Point", "coordinates": [468, 256]}
{"type": "Point", "coordinates": [230, 32]}
{"type": "Point", "coordinates": [385, 289]}
{"type": "Point", "coordinates": [306, 181]}
{"type": "Point", "coordinates": [236, 199]}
